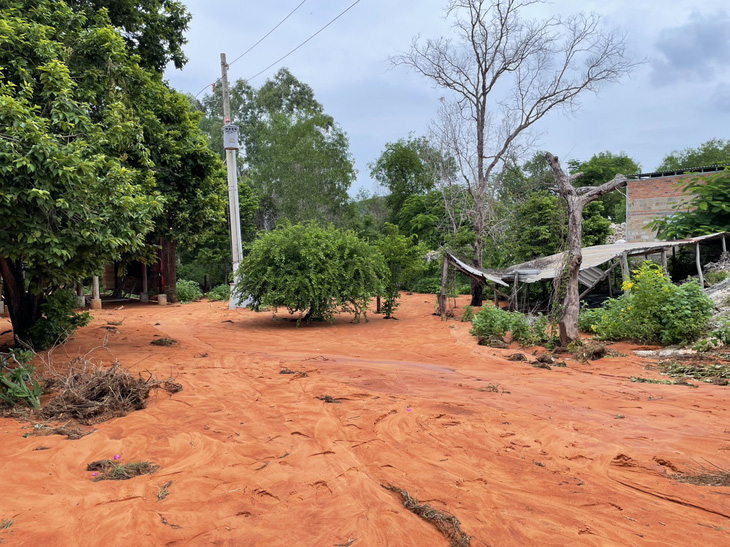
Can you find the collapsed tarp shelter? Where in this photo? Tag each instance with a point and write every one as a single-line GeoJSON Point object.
{"type": "Point", "coordinates": [591, 274]}
{"type": "Point", "coordinates": [463, 267]}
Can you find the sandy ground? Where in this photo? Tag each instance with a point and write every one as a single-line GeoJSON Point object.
{"type": "Point", "coordinates": [522, 456]}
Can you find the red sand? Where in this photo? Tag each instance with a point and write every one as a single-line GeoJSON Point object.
{"type": "Point", "coordinates": [257, 459]}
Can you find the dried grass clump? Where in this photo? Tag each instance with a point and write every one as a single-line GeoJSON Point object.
{"type": "Point", "coordinates": [447, 524]}
{"type": "Point", "coordinates": [91, 394]}
{"type": "Point", "coordinates": [109, 470]}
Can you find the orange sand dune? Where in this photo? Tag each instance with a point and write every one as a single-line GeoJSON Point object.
{"type": "Point", "coordinates": [522, 456]}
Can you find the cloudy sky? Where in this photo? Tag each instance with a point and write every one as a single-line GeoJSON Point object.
{"type": "Point", "coordinates": [679, 97]}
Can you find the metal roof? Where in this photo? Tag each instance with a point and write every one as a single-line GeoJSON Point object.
{"type": "Point", "coordinates": [472, 271]}
{"type": "Point", "coordinates": [550, 266]}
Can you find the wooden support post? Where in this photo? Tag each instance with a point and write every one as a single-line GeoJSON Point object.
{"type": "Point", "coordinates": [699, 265]}
{"type": "Point", "coordinates": [625, 273]}
{"type": "Point", "coordinates": [610, 279]}
{"type": "Point", "coordinates": [724, 246]}
{"type": "Point", "coordinates": [144, 296]}
{"type": "Point", "coordinates": [496, 296]}
{"type": "Point", "coordinates": [515, 290]}
{"type": "Point", "coordinates": [95, 296]}
{"type": "Point", "coordinates": [444, 284]}
{"type": "Point", "coordinates": [664, 261]}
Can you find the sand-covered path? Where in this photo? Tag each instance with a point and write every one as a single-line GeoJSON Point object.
{"type": "Point", "coordinates": [520, 455]}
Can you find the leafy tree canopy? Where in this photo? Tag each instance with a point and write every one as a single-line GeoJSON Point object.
{"type": "Point", "coordinates": [70, 201]}
{"type": "Point", "coordinates": [311, 269]}
{"type": "Point", "coordinates": [712, 152]}
{"type": "Point", "coordinates": [406, 168]}
{"type": "Point", "coordinates": [153, 29]}
{"type": "Point", "coordinates": [297, 157]}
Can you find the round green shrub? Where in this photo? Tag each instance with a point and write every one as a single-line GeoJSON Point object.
{"type": "Point", "coordinates": [311, 269]}
{"type": "Point", "coordinates": [188, 291]}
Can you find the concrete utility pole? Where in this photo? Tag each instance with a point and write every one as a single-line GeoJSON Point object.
{"type": "Point", "coordinates": [230, 143]}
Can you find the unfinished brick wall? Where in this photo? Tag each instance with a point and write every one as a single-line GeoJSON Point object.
{"type": "Point", "coordinates": [649, 199]}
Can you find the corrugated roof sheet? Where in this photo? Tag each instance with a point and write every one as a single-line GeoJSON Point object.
{"type": "Point", "coordinates": [550, 266]}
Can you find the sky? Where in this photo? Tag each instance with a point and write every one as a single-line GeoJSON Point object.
{"type": "Point", "coordinates": [678, 97]}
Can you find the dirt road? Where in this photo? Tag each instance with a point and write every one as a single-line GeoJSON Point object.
{"type": "Point", "coordinates": [520, 455]}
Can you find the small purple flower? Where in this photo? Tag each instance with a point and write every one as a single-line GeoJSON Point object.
{"type": "Point", "coordinates": [117, 456]}
{"type": "Point", "coordinates": [94, 474]}
{"type": "Point", "coordinates": [408, 409]}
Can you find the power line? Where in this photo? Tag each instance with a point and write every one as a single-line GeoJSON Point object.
{"type": "Point", "coordinates": [257, 43]}
{"type": "Point", "coordinates": [267, 34]}
{"type": "Point", "coordinates": [305, 41]}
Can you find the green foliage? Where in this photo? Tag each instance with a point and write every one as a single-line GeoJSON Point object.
{"type": "Point", "coordinates": [596, 227]}
{"type": "Point", "coordinates": [589, 318]}
{"type": "Point", "coordinates": [58, 322]}
{"type": "Point", "coordinates": [491, 324]}
{"type": "Point", "coordinates": [76, 186]}
{"type": "Point", "coordinates": [404, 260]}
{"type": "Point", "coordinates": [151, 28]}
{"type": "Point", "coordinates": [707, 212]}
{"type": "Point", "coordinates": [409, 167]}
{"type": "Point", "coordinates": [17, 379]}
{"type": "Point", "coordinates": [654, 311]}
{"type": "Point", "coordinates": [219, 292]}
{"type": "Point", "coordinates": [297, 157]}
{"type": "Point", "coordinates": [601, 168]}
{"type": "Point", "coordinates": [711, 152]}
{"type": "Point", "coordinates": [468, 315]}
{"type": "Point", "coordinates": [188, 291]}
{"type": "Point", "coordinates": [312, 269]}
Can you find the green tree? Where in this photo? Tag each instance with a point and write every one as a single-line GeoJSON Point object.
{"type": "Point", "coordinates": [406, 168]}
{"type": "Point", "coordinates": [706, 213]}
{"type": "Point", "coordinates": [186, 171]}
{"type": "Point", "coordinates": [153, 29]}
{"type": "Point", "coordinates": [309, 269]}
{"type": "Point", "coordinates": [404, 261]}
{"type": "Point", "coordinates": [601, 168]}
{"type": "Point", "coordinates": [712, 152]}
{"type": "Point", "coordinates": [69, 202]}
{"type": "Point", "coordinates": [297, 157]}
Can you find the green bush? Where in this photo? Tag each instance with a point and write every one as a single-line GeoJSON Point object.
{"type": "Point", "coordinates": [17, 379]}
{"type": "Point", "coordinates": [219, 292]}
{"type": "Point", "coordinates": [59, 320]}
{"type": "Point", "coordinates": [654, 311]}
{"type": "Point", "coordinates": [311, 269]}
{"type": "Point", "coordinates": [468, 315]}
{"type": "Point", "coordinates": [589, 318]}
{"type": "Point", "coordinates": [492, 324]}
{"type": "Point", "coordinates": [188, 291]}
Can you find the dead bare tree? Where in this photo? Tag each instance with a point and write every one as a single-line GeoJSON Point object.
{"type": "Point", "coordinates": [505, 74]}
{"type": "Point", "coordinates": [576, 199]}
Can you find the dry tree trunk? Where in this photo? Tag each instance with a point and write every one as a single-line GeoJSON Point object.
{"type": "Point", "coordinates": [577, 199]}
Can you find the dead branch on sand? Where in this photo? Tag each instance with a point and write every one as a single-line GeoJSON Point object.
{"type": "Point", "coordinates": [447, 524]}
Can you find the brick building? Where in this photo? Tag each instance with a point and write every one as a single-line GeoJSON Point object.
{"type": "Point", "coordinates": [654, 195]}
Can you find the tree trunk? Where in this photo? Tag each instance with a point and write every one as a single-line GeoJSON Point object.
{"type": "Point", "coordinates": [24, 307]}
{"type": "Point", "coordinates": [571, 305]}
{"type": "Point", "coordinates": [169, 259]}
{"type": "Point", "coordinates": [577, 199]}
{"type": "Point", "coordinates": [477, 287]}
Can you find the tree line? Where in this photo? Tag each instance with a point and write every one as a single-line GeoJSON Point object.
{"type": "Point", "coordinates": [101, 161]}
